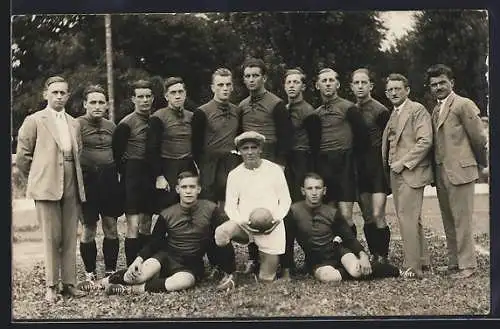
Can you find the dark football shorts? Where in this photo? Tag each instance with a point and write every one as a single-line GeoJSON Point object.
{"type": "Point", "coordinates": [331, 258]}
{"type": "Point", "coordinates": [102, 192]}
{"type": "Point", "coordinates": [171, 265]}
{"type": "Point", "coordinates": [338, 172]}
{"type": "Point", "coordinates": [370, 172]}
{"type": "Point", "coordinates": [137, 184]}
{"type": "Point", "coordinates": [298, 164]}
{"type": "Point", "coordinates": [214, 169]}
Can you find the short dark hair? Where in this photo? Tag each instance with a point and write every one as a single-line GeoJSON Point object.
{"type": "Point", "coordinates": [52, 80]}
{"type": "Point", "coordinates": [364, 70]}
{"type": "Point", "coordinates": [327, 69]}
{"type": "Point", "coordinates": [188, 174]}
{"type": "Point", "coordinates": [170, 81]}
{"type": "Point", "coordinates": [296, 70]}
{"type": "Point", "coordinates": [397, 77]}
{"type": "Point", "coordinates": [439, 69]}
{"type": "Point", "coordinates": [223, 72]}
{"type": "Point", "coordinates": [141, 84]}
{"type": "Point", "coordinates": [94, 89]}
{"type": "Point", "coordinates": [312, 175]}
{"type": "Point", "coordinates": [255, 62]}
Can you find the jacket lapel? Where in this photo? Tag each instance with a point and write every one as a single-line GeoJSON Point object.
{"type": "Point", "coordinates": [403, 118]}
{"type": "Point", "coordinates": [48, 121]}
{"type": "Point", "coordinates": [446, 110]}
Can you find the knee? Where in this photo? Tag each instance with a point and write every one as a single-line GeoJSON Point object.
{"type": "Point", "coordinates": [109, 227]}
{"type": "Point", "coordinates": [88, 233]}
{"type": "Point", "coordinates": [180, 281]}
{"type": "Point", "coordinates": [222, 236]}
{"type": "Point", "coordinates": [327, 274]}
{"type": "Point", "coordinates": [132, 226]}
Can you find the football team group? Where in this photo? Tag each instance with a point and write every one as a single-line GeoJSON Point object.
{"type": "Point", "coordinates": [264, 173]}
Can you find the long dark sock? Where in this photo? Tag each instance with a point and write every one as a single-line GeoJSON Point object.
{"type": "Point", "coordinates": [110, 248]}
{"type": "Point", "coordinates": [253, 252]}
{"type": "Point", "coordinates": [354, 230]}
{"type": "Point", "coordinates": [143, 240]}
{"type": "Point", "coordinates": [371, 237]}
{"type": "Point", "coordinates": [88, 252]}
{"type": "Point", "coordinates": [155, 285]}
{"type": "Point", "coordinates": [131, 249]}
{"type": "Point", "coordinates": [117, 277]}
{"type": "Point", "coordinates": [384, 237]}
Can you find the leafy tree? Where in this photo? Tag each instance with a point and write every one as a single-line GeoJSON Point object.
{"type": "Point", "coordinates": [457, 38]}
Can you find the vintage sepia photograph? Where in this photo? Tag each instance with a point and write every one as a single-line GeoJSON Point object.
{"type": "Point", "coordinates": [247, 165]}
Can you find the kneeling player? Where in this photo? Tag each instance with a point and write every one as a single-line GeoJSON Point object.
{"type": "Point", "coordinates": [256, 183]}
{"type": "Point", "coordinates": [332, 252]}
{"type": "Point", "coordinates": [173, 259]}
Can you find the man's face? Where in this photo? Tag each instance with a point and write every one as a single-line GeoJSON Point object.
{"type": "Point", "coordinates": [96, 105]}
{"type": "Point", "coordinates": [56, 95]}
{"type": "Point", "coordinates": [327, 84]}
{"type": "Point", "coordinates": [294, 85]}
{"type": "Point", "coordinates": [441, 86]}
{"type": "Point", "coordinates": [251, 152]}
{"type": "Point", "coordinates": [313, 190]}
{"type": "Point", "coordinates": [396, 92]}
{"type": "Point", "coordinates": [361, 85]}
{"type": "Point", "coordinates": [222, 87]}
{"type": "Point", "coordinates": [188, 190]}
{"type": "Point", "coordinates": [143, 99]}
{"type": "Point", "coordinates": [253, 78]}
{"type": "Point", "coordinates": [176, 95]}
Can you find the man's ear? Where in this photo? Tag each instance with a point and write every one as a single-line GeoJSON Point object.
{"type": "Point", "coordinates": [303, 191]}
{"type": "Point", "coordinates": [44, 94]}
{"type": "Point", "coordinates": [324, 191]}
{"type": "Point", "coordinates": [177, 189]}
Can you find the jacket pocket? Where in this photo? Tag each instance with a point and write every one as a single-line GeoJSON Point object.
{"type": "Point", "coordinates": [467, 162]}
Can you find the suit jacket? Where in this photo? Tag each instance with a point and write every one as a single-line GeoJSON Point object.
{"type": "Point", "coordinates": [413, 144]}
{"type": "Point", "coordinates": [40, 158]}
{"type": "Point", "coordinates": [460, 140]}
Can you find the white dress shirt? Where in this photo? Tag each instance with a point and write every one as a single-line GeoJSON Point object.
{"type": "Point", "coordinates": [62, 129]}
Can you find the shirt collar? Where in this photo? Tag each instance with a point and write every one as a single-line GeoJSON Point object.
{"type": "Point", "coordinates": [401, 105]}
{"type": "Point", "coordinates": [443, 101]}
{"type": "Point", "coordinates": [257, 97]}
{"type": "Point", "coordinates": [56, 113]}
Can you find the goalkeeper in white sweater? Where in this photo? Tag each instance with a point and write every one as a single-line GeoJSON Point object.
{"type": "Point", "coordinates": [256, 183]}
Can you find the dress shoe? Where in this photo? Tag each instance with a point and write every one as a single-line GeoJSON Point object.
{"type": "Point", "coordinates": [463, 274]}
{"type": "Point", "coordinates": [70, 291]}
{"type": "Point", "coordinates": [51, 295]}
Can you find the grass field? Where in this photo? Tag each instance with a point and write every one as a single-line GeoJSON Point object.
{"type": "Point", "coordinates": [436, 294]}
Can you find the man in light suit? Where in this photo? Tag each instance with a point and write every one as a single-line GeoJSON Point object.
{"type": "Point", "coordinates": [460, 148]}
{"type": "Point", "coordinates": [406, 142]}
{"type": "Point", "coordinates": [48, 152]}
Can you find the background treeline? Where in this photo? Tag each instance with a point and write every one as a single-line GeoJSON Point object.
{"type": "Point", "coordinates": [156, 46]}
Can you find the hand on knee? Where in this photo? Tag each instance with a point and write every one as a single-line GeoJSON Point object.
{"type": "Point", "coordinates": [327, 274]}
{"type": "Point", "coordinates": [351, 264]}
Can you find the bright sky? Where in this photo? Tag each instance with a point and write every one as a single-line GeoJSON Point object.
{"type": "Point", "coordinates": [398, 22]}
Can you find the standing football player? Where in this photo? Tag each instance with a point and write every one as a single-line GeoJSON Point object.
{"type": "Point", "coordinates": [372, 183]}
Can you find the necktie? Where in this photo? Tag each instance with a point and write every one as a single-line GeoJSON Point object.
{"type": "Point", "coordinates": [440, 111]}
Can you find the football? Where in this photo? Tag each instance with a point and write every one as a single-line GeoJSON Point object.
{"type": "Point", "coordinates": [260, 219]}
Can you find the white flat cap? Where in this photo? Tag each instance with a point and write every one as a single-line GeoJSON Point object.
{"type": "Point", "coordinates": [249, 136]}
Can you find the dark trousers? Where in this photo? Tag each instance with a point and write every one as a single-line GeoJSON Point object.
{"type": "Point", "coordinates": [298, 164]}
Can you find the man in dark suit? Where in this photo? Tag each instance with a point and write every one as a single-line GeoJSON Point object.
{"type": "Point", "coordinates": [460, 148]}
{"type": "Point", "coordinates": [48, 153]}
{"type": "Point", "coordinates": [406, 145]}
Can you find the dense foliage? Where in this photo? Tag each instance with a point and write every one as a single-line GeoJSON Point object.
{"type": "Point", "coordinates": [193, 45]}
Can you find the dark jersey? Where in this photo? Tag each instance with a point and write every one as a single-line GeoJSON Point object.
{"type": "Point", "coordinates": [376, 116]}
{"type": "Point", "coordinates": [97, 136]}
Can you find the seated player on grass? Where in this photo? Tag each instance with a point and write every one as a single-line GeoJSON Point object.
{"type": "Point", "coordinates": [332, 252]}
{"type": "Point", "coordinates": [182, 235]}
